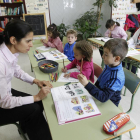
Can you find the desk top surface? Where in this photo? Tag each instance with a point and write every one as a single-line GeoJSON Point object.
{"type": "Point", "coordinates": [135, 57]}
{"type": "Point", "coordinates": [89, 129]}
{"type": "Point", "coordinates": [32, 58]}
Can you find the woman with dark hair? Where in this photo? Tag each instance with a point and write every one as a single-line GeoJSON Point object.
{"type": "Point", "coordinates": [15, 105]}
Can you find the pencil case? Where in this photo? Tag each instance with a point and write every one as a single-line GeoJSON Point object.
{"type": "Point", "coordinates": [115, 123]}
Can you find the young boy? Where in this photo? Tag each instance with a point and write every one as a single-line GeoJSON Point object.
{"type": "Point", "coordinates": [68, 50]}
{"type": "Point", "coordinates": [111, 80]}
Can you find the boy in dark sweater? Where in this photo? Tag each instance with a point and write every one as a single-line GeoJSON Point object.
{"type": "Point", "coordinates": [112, 79]}
{"type": "Point", "coordinates": [68, 49]}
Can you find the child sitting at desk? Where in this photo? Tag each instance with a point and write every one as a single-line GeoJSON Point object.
{"type": "Point", "coordinates": [53, 38]}
{"type": "Point", "coordinates": [133, 42]}
{"type": "Point", "coordinates": [68, 49]}
{"type": "Point", "coordinates": [112, 79]}
{"type": "Point", "coordinates": [114, 31]}
{"type": "Point", "coordinates": [83, 61]}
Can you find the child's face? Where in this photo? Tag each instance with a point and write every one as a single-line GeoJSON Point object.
{"type": "Point", "coordinates": [71, 38]}
{"type": "Point", "coordinates": [49, 34]}
{"type": "Point", "coordinates": [77, 54]}
{"type": "Point", "coordinates": [112, 28]}
{"type": "Point", "coordinates": [109, 59]}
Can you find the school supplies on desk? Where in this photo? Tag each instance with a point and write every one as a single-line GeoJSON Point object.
{"type": "Point", "coordinates": [115, 123]}
{"type": "Point", "coordinates": [38, 55]}
{"type": "Point", "coordinates": [70, 79]}
{"type": "Point", "coordinates": [132, 52]}
{"type": "Point", "coordinates": [73, 103]}
{"type": "Point", "coordinates": [104, 39]}
{"type": "Point", "coordinates": [53, 77]}
{"type": "Point", "coordinates": [48, 66]}
{"type": "Point", "coordinates": [54, 55]}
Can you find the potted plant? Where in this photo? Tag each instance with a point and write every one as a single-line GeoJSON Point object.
{"type": "Point", "coordinates": [62, 28]}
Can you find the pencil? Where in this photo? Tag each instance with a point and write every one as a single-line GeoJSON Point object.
{"type": "Point", "coordinates": [67, 83]}
{"type": "Point", "coordinates": [81, 65]}
{"type": "Point", "coordinates": [63, 64]}
{"type": "Point", "coordinates": [49, 78]}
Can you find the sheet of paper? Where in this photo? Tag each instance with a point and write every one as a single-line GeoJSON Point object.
{"type": "Point", "coordinates": [43, 48]}
{"type": "Point", "coordinates": [70, 79]}
{"type": "Point", "coordinates": [54, 55]}
{"type": "Point", "coordinates": [104, 39]}
{"type": "Point", "coordinates": [73, 103]}
{"type": "Point", "coordinates": [132, 52]}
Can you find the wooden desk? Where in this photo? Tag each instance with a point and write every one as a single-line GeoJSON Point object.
{"type": "Point", "coordinates": [88, 129]}
{"type": "Point", "coordinates": [133, 60]}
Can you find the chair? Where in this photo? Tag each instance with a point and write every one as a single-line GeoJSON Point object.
{"type": "Point", "coordinates": [19, 129]}
{"type": "Point", "coordinates": [132, 83]}
{"type": "Point", "coordinates": [64, 41]}
{"type": "Point", "coordinates": [97, 70]}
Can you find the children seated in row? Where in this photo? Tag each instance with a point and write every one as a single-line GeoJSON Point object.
{"type": "Point", "coordinates": [68, 49]}
{"type": "Point", "coordinates": [82, 50]}
{"type": "Point", "coordinates": [112, 79]}
{"type": "Point", "coordinates": [53, 38]}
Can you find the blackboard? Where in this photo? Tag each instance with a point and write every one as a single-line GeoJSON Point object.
{"type": "Point", "coordinates": [37, 22]}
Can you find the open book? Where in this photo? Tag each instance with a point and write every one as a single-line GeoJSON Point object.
{"type": "Point", "coordinates": [132, 51]}
{"type": "Point", "coordinates": [73, 103]}
{"type": "Point", "coordinates": [104, 39]}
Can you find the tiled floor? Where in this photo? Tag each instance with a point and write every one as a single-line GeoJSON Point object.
{"type": "Point", "coordinates": [10, 132]}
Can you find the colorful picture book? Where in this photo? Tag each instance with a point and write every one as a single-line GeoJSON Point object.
{"type": "Point", "coordinates": [39, 56]}
{"type": "Point", "coordinates": [54, 55]}
{"type": "Point", "coordinates": [73, 103]}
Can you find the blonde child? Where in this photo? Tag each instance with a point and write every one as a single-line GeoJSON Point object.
{"type": "Point", "coordinates": [82, 52]}
{"type": "Point", "coordinates": [112, 79]}
{"type": "Point", "coordinates": [53, 38]}
{"type": "Point", "coordinates": [68, 49]}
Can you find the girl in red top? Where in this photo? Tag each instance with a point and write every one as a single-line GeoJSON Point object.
{"type": "Point", "coordinates": [82, 50]}
{"type": "Point", "coordinates": [53, 38]}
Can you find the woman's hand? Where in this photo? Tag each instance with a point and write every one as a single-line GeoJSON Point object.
{"type": "Point", "coordinates": [42, 94]}
{"type": "Point", "coordinates": [64, 69]}
{"type": "Point", "coordinates": [82, 79]}
{"type": "Point", "coordinates": [42, 83]}
{"type": "Point", "coordinates": [67, 75]}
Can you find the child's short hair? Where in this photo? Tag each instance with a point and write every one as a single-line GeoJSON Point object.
{"type": "Point", "coordinates": [71, 31]}
{"type": "Point", "coordinates": [85, 48]}
{"type": "Point", "coordinates": [118, 47]}
{"type": "Point", "coordinates": [110, 23]}
{"type": "Point", "coordinates": [53, 29]}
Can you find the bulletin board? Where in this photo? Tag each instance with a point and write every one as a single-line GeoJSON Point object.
{"type": "Point", "coordinates": [38, 23]}
{"type": "Point", "coordinates": [119, 13]}
{"type": "Point", "coordinates": [38, 6]}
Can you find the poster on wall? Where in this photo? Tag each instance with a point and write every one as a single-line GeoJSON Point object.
{"type": "Point", "coordinates": [123, 7]}
{"type": "Point", "coordinates": [38, 6]}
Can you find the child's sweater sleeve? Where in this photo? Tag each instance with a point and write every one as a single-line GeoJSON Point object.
{"type": "Point", "coordinates": [86, 70]}
{"type": "Point", "coordinates": [107, 33]}
{"type": "Point", "coordinates": [101, 95]}
{"type": "Point", "coordinates": [71, 65]}
{"type": "Point", "coordinates": [123, 33]}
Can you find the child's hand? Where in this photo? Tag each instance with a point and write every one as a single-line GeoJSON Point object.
{"type": "Point", "coordinates": [64, 70]}
{"type": "Point", "coordinates": [82, 79]}
{"type": "Point", "coordinates": [41, 40]}
{"type": "Point", "coordinates": [67, 75]}
{"type": "Point", "coordinates": [109, 34]}
{"type": "Point", "coordinates": [45, 41]}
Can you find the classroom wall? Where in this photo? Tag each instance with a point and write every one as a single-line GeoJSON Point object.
{"type": "Point", "coordinates": [67, 11]}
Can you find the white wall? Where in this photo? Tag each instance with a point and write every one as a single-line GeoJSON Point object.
{"type": "Point", "coordinates": [70, 10]}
